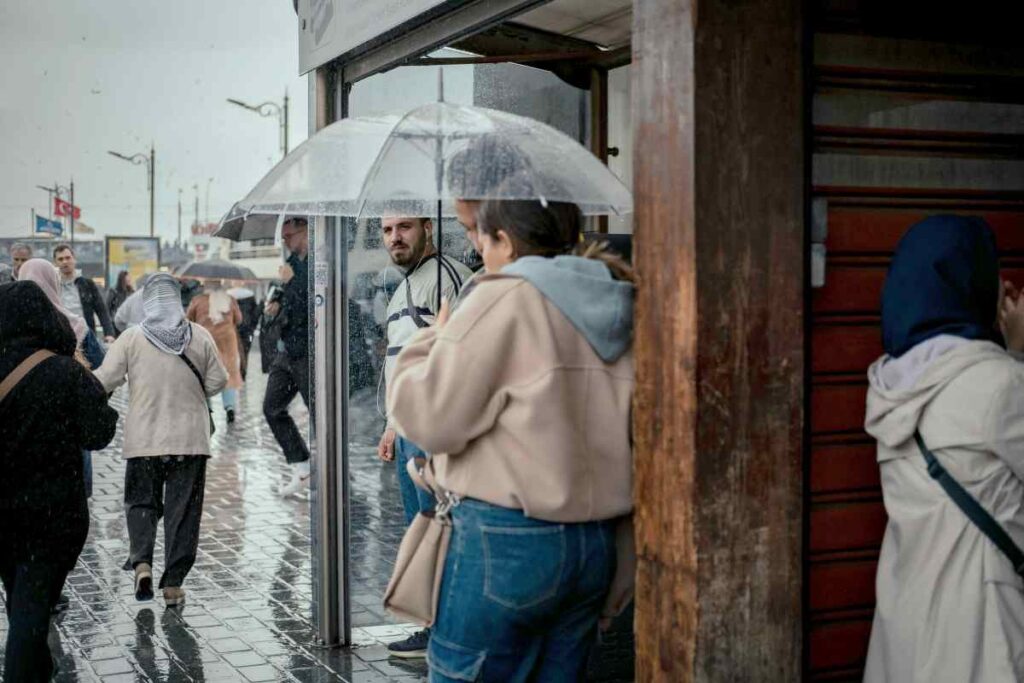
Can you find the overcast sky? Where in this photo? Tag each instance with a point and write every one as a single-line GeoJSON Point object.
{"type": "Point", "coordinates": [79, 77]}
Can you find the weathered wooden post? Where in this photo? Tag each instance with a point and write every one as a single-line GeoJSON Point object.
{"type": "Point", "coordinates": [720, 170]}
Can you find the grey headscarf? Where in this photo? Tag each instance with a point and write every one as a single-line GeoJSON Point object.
{"type": "Point", "coordinates": [165, 325]}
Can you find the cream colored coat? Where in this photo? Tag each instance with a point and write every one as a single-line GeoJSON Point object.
{"type": "Point", "coordinates": [517, 408]}
{"type": "Point", "coordinates": [224, 333]}
{"type": "Point", "coordinates": [949, 605]}
{"type": "Point", "coordinates": [167, 412]}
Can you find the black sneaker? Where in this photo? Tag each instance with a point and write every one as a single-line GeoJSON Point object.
{"type": "Point", "coordinates": [413, 647]}
{"type": "Point", "coordinates": [231, 416]}
{"type": "Point", "coordinates": [143, 582]}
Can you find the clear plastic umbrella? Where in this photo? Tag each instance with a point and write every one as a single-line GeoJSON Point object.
{"type": "Point", "coordinates": [321, 177]}
{"type": "Point", "coordinates": [419, 163]}
{"type": "Point", "coordinates": [365, 166]}
{"type": "Point", "coordinates": [442, 152]}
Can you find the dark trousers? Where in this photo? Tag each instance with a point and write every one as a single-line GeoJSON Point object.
{"type": "Point", "coordinates": [171, 487]}
{"type": "Point", "coordinates": [288, 376]}
{"type": "Point", "coordinates": [35, 558]}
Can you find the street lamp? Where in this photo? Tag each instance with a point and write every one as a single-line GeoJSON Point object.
{"type": "Point", "coordinates": [271, 109]}
{"type": "Point", "coordinates": [179, 217]}
{"type": "Point", "coordinates": [150, 162]}
{"type": "Point", "coordinates": [206, 214]}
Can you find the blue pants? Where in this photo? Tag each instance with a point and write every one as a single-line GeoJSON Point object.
{"type": "Point", "coordinates": [520, 597]}
{"type": "Point", "coordinates": [229, 397]}
{"type": "Point", "coordinates": [414, 499]}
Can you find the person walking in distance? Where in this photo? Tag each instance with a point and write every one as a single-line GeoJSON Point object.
{"type": "Point", "coordinates": [118, 294]}
{"type": "Point", "coordinates": [50, 410]}
{"type": "Point", "coordinates": [173, 367]}
{"type": "Point", "coordinates": [80, 295]}
{"type": "Point", "coordinates": [409, 241]}
{"type": "Point", "coordinates": [218, 312]}
{"type": "Point", "coordinates": [20, 252]}
{"type": "Point", "coordinates": [289, 373]}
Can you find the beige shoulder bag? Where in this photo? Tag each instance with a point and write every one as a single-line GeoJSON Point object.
{"type": "Point", "coordinates": [24, 367]}
{"type": "Point", "coordinates": [415, 584]}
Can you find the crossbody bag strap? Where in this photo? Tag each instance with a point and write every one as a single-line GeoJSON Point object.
{"type": "Point", "coordinates": [972, 508]}
{"type": "Point", "coordinates": [195, 371]}
{"type": "Point", "coordinates": [23, 368]}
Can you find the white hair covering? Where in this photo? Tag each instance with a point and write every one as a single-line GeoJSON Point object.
{"type": "Point", "coordinates": [165, 325]}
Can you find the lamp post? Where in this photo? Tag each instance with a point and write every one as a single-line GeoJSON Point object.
{"type": "Point", "coordinates": [271, 109]}
{"type": "Point", "coordinates": [206, 212]}
{"type": "Point", "coordinates": [150, 162]}
{"type": "Point", "coordinates": [71, 215]}
{"type": "Point", "coordinates": [179, 217]}
{"type": "Point", "coordinates": [50, 191]}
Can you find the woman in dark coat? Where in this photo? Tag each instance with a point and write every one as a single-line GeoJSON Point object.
{"type": "Point", "coordinates": [121, 291]}
{"type": "Point", "coordinates": [55, 411]}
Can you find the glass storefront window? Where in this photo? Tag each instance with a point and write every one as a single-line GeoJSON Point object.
{"type": "Point", "coordinates": [373, 278]}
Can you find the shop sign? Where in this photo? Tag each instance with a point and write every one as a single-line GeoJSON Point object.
{"type": "Point", "coordinates": [330, 28]}
{"type": "Point", "coordinates": [137, 255]}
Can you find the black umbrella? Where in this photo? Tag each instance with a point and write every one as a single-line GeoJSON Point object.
{"type": "Point", "coordinates": [215, 269]}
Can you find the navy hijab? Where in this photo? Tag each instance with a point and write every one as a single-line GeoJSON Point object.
{"type": "Point", "coordinates": [944, 279]}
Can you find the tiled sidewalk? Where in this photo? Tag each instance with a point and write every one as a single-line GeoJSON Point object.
{"type": "Point", "coordinates": [247, 616]}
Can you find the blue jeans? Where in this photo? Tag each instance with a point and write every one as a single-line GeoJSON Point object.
{"type": "Point", "coordinates": [520, 598]}
{"type": "Point", "coordinates": [414, 499]}
{"type": "Point", "coordinates": [229, 397]}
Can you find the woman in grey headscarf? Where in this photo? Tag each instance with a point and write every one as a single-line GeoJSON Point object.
{"type": "Point", "coordinates": [173, 367]}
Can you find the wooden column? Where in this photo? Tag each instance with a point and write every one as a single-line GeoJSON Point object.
{"type": "Point", "coordinates": [720, 202]}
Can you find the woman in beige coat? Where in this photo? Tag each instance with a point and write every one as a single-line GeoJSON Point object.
{"type": "Point", "coordinates": [218, 312]}
{"type": "Point", "coordinates": [172, 367]}
{"type": "Point", "coordinates": [523, 400]}
{"type": "Point", "coordinates": [950, 606]}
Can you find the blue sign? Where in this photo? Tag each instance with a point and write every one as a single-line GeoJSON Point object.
{"type": "Point", "coordinates": [45, 225]}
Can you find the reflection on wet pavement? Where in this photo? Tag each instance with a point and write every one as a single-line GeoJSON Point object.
{"type": "Point", "coordinates": [247, 616]}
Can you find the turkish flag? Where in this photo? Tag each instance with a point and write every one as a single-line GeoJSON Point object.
{"type": "Point", "coordinates": [63, 208]}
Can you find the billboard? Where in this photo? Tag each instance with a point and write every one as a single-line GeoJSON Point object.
{"type": "Point", "coordinates": [137, 255]}
{"type": "Point", "coordinates": [329, 28]}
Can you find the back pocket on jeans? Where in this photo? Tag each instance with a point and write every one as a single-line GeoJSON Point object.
{"type": "Point", "coordinates": [523, 565]}
{"type": "Point", "coordinates": [455, 661]}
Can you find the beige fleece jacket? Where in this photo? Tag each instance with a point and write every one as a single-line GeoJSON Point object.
{"type": "Point", "coordinates": [517, 408]}
{"type": "Point", "coordinates": [167, 412]}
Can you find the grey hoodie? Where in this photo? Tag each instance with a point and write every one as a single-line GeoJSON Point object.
{"type": "Point", "coordinates": [583, 289]}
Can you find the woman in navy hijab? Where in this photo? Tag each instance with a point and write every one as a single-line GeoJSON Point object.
{"type": "Point", "coordinates": [944, 279]}
{"type": "Point", "coordinates": [950, 606]}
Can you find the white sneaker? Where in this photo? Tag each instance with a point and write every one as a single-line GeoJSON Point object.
{"type": "Point", "coordinates": [299, 480]}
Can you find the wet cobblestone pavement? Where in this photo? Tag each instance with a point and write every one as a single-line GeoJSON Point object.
{"type": "Point", "coordinates": [247, 616]}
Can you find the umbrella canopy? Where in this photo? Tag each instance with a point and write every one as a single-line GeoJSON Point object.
{"type": "Point", "coordinates": [439, 152]}
{"type": "Point", "coordinates": [239, 225]}
{"type": "Point", "coordinates": [443, 152]}
{"type": "Point", "coordinates": [241, 293]}
{"type": "Point", "coordinates": [215, 269]}
{"type": "Point", "coordinates": [321, 177]}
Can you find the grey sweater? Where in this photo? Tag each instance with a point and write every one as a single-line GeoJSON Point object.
{"type": "Point", "coordinates": [167, 413]}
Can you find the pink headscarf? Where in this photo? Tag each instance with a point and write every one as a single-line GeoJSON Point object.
{"type": "Point", "coordinates": [42, 272]}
